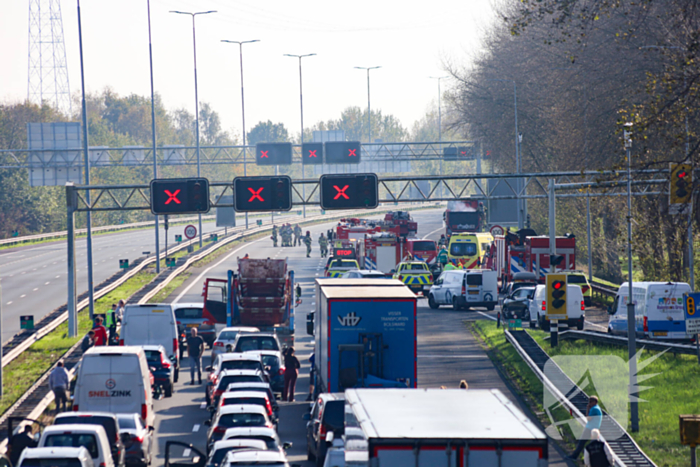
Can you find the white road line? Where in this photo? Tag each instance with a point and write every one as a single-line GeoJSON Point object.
{"type": "Point", "coordinates": [47, 283]}
{"type": "Point", "coordinates": [599, 326]}
{"type": "Point", "coordinates": [203, 405]}
{"type": "Point", "coordinates": [195, 428]}
{"type": "Point", "coordinates": [436, 230]}
{"type": "Point", "coordinates": [58, 277]}
{"type": "Point", "coordinates": [9, 303]}
{"type": "Point", "coordinates": [23, 295]}
{"type": "Point", "coordinates": [35, 289]}
{"type": "Point", "coordinates": [451, 356]}
{"type": "Point", "coordinates": [23, 272]}
{"type": "Point", "coordinates": [488, 316]}
{"type": "Point", "coordinates": [186, 452]}
{"type": "Point", "coordinates": [206, 271]}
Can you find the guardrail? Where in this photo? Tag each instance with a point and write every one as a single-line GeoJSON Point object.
{"type": "Point", "coordinates": [603, 289]}
{"type": "Point", "coordinates": [602, 338]}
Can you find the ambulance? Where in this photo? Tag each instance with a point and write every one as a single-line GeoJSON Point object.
{"type": "Point", "coordinates": [469, 249]}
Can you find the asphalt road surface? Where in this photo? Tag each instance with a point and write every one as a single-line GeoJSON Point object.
{"type": "Point", "coordinates": [447, 352]}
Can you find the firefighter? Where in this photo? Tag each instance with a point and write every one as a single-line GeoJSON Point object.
{"type": "Point", "coordinates": [323, 244]}
{"type": "Point", "coordinates": [307, 242]}
{"type": "Point", "coordinates": [286, 234]}
{"type": "Point", "coordinates": [297, 235]}
{"type": "Point", "coordinates": [274, 236]}
{"type": "Point", "coordinates": [443, 240]}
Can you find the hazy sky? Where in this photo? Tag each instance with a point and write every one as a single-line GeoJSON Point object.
{"type": "Point", "coordinates": [410, 40]}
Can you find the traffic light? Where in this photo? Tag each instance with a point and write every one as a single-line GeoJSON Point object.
{"type": "Point", "coordinates": [179, 196]}
{"type": "Point", "coordinates": [681, 183]}
{"type": "Point", "coordinates": [312, 153]}
{"type": "Point", "coordinates": [343, 152]}
{"type": "Point", "coordinates": [262, 194]}
{"type": "Point", "coordinates": [349, 191]}
{"type": "Point", "coordinates": [273, 154]}
{"type": "Point", "coordinates": [556, 296]}
{"type": "Point", "coordinates": [465, 153]}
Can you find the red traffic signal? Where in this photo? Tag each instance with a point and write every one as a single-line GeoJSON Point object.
{"type": "Point", "coordinates": [343, 152]}
{"type": "Point", "coordinates": [262, 194]}
{"type": "Point", "coordinates": [273, 154]}
{"type": "Point", "coordinates": [179, 196]}
{"type": "Point", "coordinates": [312, 153]}
{"type": "Point", "coordinates": [349, 191]}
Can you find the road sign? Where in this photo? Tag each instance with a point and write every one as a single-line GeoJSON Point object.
{"type": "Point", "coordinates": [178, 238]}
{"type": "Point", "coordinates": [692, 313]}
{"type": "Point", "coordinates": [214, 237]}
{"type": "Point", "coordinates": [497, 230]}
{"type": "Point", "coordinates": [273, 154]}
{"type": "Point", "coordinates": [262, 194]}
{"type": "Point", "coordinates": [170, 262]}
{"type": "Point", "coordinates": [556, 297]}
{"type": "Point", "coordinates": [26, 322]}
{"type": "Point", "coordinates": [349, 191]}
{"type": "Point", "coordinates": [259, 222]}
{"type": "Point", "coordinates": [123, 264]}
{"type": "Point", "coordinates": [179, 196]}
{"type": "Point", "coordinates": [190, 231]}
{"type": "Point", "coordinates": [343, 152]}
{"type": "Point", "coordinates": [515, 323]}
{"type": "Point", "coordinates": [312, 153]}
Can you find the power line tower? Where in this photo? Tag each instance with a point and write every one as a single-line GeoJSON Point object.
{"type": "Point", "coordinates": [48, 71]}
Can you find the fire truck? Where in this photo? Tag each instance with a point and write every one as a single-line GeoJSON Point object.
{"type": "Point", "coordinates": [463, 216]}
{"type": "Point", "coordinates": [383, 251]}
{"type": "Point", "coordinates": [525, 251]}
{"type": "Point", "coordinates": [403, 220]}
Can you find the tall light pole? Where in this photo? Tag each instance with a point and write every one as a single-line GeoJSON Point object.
{"type": "Point", "coordinates": [369, 109]}
{"type": "Point", "coordinates": [438, 78]}
{"type": "Point", "coordinates": [153, 128]}
{"type": "Point", "coordinates": [240, 54]}
{"type": "Point", "coordinates": [91, 289]}
{"type": "Point", "coordinates": [517, 144]}
{"type": "Point", "coordinates": [301, 105]}
{"type": "Point", "coordinates": [196, 95]}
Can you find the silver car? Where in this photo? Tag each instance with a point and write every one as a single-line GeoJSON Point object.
{"type": "Point", "coordinates": [227, 336]}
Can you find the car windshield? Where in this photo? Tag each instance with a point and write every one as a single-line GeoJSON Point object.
{"type": "Point", "coordinates": [230, 420]}
{"type": "Point", "coordinates": [462, 249]}
{"type": "Point", "coordinates": [69, 462]}
{"type": "Point", "coordinates": [240, 365]}
{"type": "Point", "coordinates": [340, 263]}
{"type": "Point", "coordinates": [334, 414]}
{"type": "Point", "coordinates": [269, 441]}
{"type": "Point", "coordinates": [220, 454]}
{"type": "Point", "coordinates": [126, 422]}
{"type": "Point", "coordinates": [153, 355]}
{"type": "Point", "coordinates": [474, 279]}
{"type": "Point", "coordinates": [576, 279]}
{"type": "Point", "coordinates": [189, 313]}
{"type": "Point", "coordinates": [226, 380]}
{"type": "Point", "coordinates": [70, 440]}
{"type": "Point", "coordinates": [228, 335]}
{"type": "Point", "coordinates": [246, 343]}
{"type": "Point", "coordinates": [424, 246]}
{"type": "Point", "coordinates": [418, 267]}
{"type": "Point", "coordinates": [105, 422]}
{"type": "Point", "coordinates": [245, 400]}
{"type": "Point", "coordinates": [272, 361]}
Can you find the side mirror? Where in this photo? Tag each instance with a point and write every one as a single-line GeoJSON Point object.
{"type": "Point", "coordinates": [207, 422]}
{"type": "Point", "coordinates": [306, 416]}
{"type": "Point", "coordinates": [610, 310]}
{"type": "Point", "coordinates": [286, 445]}
{"type": "Point", "coordinates": [208, 368]}
{"type": "Point", "coordinates": [329, 437]}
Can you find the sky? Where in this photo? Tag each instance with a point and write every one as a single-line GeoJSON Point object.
{"type": "Point", "coordinates": [411, 41]}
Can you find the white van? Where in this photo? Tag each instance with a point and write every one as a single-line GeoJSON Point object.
{"type": "Point", "coordinates": [116, 380]}
{"type": "Point", "coordinates": [74, 457]}
{"type": "Point", "coordinates": [91, 437]}
{"type": "Point", "coordinates": [464, 289]}
{"type": "Point", "coordinates": [659, 312]}
{"type": "Point", "coordinates": [575, 308]}
{"type": "Point", "coordinates": [153, 324]}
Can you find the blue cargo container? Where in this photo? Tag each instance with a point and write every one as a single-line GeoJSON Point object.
{"type": "Point", "coordinates": [366, 337]}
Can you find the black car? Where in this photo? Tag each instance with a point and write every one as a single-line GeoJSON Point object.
{"type": "Point", "coordinates": [256, 341]}
{"type": "Point", "coordinates": [161, 367]}
{"type": "Point", "coordinates": [106, 420]}
{"type": "Point", "coordinates": [139, 442]}
{"type": "Point", "coordinates": [517, 304]}
{"type": "Point", "coordinates": [327, 414]}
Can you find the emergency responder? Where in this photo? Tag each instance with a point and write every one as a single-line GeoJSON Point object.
{"type": "Point", "coordinates": [323, 244]}
{"type": "Point", "coordinates": [448, 267]}
{"type": "Point", "coordinates": [443, 240]}
{"type": "Point", "coordinates": [284, 233]}
{"type": "Point", "coordinates": [442, 256]}
{"type": "Point", "coordinates": [297, 235]}
{"type": "Point", "coordinates": [307, 242]}
{"type": "Point", "coordinates": [274, 236]}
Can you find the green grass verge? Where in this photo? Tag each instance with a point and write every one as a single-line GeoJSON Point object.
{"type": "Point", "coordinates": [21, 373]}
{"type": "Point", "coordinates": [672, 392]}
{"type": "Point", "coordinates": [161, 296]}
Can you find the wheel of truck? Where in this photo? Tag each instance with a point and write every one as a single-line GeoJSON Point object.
{"type": "Point", "coordinates": [431, 302]}
{"type": "Point", "coordinates": [176, 374]}
{"type": "Point", "coordinates": [580, 324]}
{"type": "Point", "coordinates": [169, 390]}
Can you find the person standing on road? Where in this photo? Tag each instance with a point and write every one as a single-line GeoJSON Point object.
{"type": "Point", "coordinates": [59, 383]}
{"type": "Point", "coordinates": [120, 310]}
{"type": "Point", "coordinates": [274, 236]}
{"type": "Point", "coordinates": [20, 442]}
{"type": "Point", "coordinates": [291, 372]}
{"type": "Point", "coordinates": [297, 235]}
{"type": "Point", "coordinates": [598, 452]}
{"type": "Point", "coordinates": [195, 348]}
{"type": "Point", "coordinates": [323, 245]}
{"type": "Point", "coordinates": [312, 376]}
{"type": "Point", "coordinates": [442, 256]}
{"type": "Point", "coordinates": [307, 242]}
{"type": "Point", "coordinates": [595, 418]}
{"type": "Point", "coordinates": [100, 332]}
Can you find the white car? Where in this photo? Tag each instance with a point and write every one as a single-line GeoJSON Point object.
{"type": "Point", "coordinates": [575, 308]}
{"type": "Point", "coordinates": [251, 457]}
{"type": "Point", "coordinates": [227, 336]}
{"type": "Point", "coordinates": [218, 451]}
{"type": "Point", "coordinates": [69, 457]}
{"type": "Point", "coordinates": [268, 435]}
{"type": "Point", "coordinates": [365, 274]}
{"type": "Point", "coordinates": [91, 437]}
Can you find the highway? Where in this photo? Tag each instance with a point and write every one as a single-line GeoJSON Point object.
{"type": "Point", "coordinates": [447, 352]}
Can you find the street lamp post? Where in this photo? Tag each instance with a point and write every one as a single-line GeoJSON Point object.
{"type": "Point", "coordinates": [240, 53]}
{"type": "Point", "coordinates": [301, 105]}
{"type": "Point", "coordinates": [153, 130]}
{"type": "Point", "coordinates": [196, 95]}
{"type": "Point", "coordinates": [438, 78]}
{"type": "Point", "coordinates": [369, 109]}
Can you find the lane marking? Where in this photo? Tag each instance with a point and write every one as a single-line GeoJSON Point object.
{"type": "Point", "coordinates": [488, 316]}
{"type": "Point", "coordinates": [195, 428]}
{"type": "Point", "coordinates": [186, 452]}
{"type": "Point", "coordinates": [23, 295]}
{"type": "Point", "coordinates": [203, 405]}
{"type": "Point", "coordinates": [451, 356]}
{"type": "Point", "coordinates": [9, 303]}
{"type": "Point", "coordinates": [436, 230]}
{"type": "Point", "coordinates": [57, 277]}
{"type": "Point", "coordinates": [47, 283]}
{"type": "Point", "coordinates": [35, 289]}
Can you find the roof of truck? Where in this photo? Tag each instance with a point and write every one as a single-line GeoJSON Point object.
{"type": "Point", "coordinates": [368, 292]}
{"type": "Point", "coordinates": [329, 282]}
{"type": "Point", "coordinates": [440, 414]}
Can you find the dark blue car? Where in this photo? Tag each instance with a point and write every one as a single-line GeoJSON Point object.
{"type": "Point", "coordinates": [161, 367]}
{"type": "Point", "coordinates": [274, 365]}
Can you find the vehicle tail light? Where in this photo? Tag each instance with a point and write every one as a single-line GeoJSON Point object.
{"type": "Point", "coordinates": [268, 406]}
{"type": "Point", "coordinates": [138, 439]}
{"type": "Point", "coordinates": [583, 306]}
{"type": "Point", "coordinates": [220, 429]}
{"type": "Point", "coordinates": [175, 345]}
{"type": "Point", "coordinates": [76, 408]}
{"type": "Point", "coordinates": [164, 361]}
{"type": "Point", "coordinates": [464, 289]}
{"type": "Point", "coordinates": [282, 369]}
{"type": "Point", "coordinates": [646, 327]}
{"type": "Point", "coordinates": [218, 344]}
{"type": "Point", "coordinates": [322, 432]}
{"type": "Point", "coordinates": [144, 411]}
{"type": "Point", "coordinates": [544, 305]}
{"type": "Point", "coordinates": [102, 464]}
{"type": "Point", "coordinates": [121, 341]}
{"type": "Point", "coordinates": [178, 323]}
{"type": "Point", "coordinates": [218, 393]}
{"type": "Point", "coordinates": [400, 277]}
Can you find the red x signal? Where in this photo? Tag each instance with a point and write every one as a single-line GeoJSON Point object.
{"type": "Point", "coordinates": [464, 153]}
{"type": "Point", "coordinates": [172, 196]}
{"type": "Point", "coordinates": [264, 154]}
{"type": "Point", "coordinates": [312, 152]}
{"type": "Point", "coordinates": [341, 192]}
{"type": "Point", "coordinates": [352, 152]}
{"type": "Point", "coordinates": [256, 194]}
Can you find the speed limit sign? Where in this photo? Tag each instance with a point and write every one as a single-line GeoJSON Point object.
{"type": "Point", "coordinates": [496, 230]}
{"type": "Point", "coordinates": [190, 231]}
